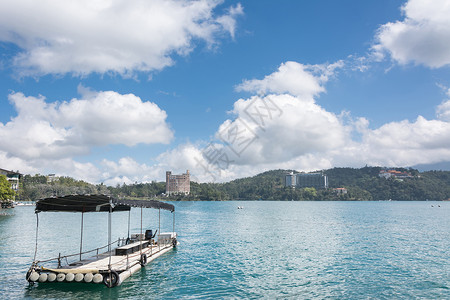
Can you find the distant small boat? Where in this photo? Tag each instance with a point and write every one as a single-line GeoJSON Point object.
{"type": "Point", "coordinates": [6, 204]}
{"type": "Point", "coordinates": [24, 204]}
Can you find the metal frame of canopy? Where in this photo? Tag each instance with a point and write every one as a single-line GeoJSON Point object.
{"type": "Point", "coordinates": [96, 203]}
{"type": "Point", "coordinates": [99, 203]}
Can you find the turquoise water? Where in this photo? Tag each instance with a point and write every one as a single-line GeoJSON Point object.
{"type": "Point", "coordinates": [271, 250]}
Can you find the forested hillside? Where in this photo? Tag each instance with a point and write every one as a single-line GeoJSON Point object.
{"type": "Point", "coordinates": [432, 185]}
{"type": "Point", "coordinates": [38, 186]}
{"type": "Point", "coordinates": [361, 184]}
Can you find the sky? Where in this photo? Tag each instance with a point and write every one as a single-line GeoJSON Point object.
{"type": "Point", "coordinates": [115, 91]}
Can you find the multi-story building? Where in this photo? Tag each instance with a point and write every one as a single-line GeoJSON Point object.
{"type": "Point", "coordinates": [13, 178]}
{"type": "Point", "coordinates": [316, 180]}
{"type": "Point", "coordinates": [290, 179]}
{"type": "Point", "coordinates": [51, 178]}
{"type": "Point", "coordinates": [302, 180]}
{"type": "Point", "coordinates": [178, 184]}
{"type": "Point", "coordinates": [340, 191]}
{"type": "Point", "coordinates": [395, 174]}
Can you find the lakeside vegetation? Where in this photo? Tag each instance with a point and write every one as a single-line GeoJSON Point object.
{"type": "Point", "coordinates": [361, 184]}
{"type": "Point", "coordinates": [6, 192]}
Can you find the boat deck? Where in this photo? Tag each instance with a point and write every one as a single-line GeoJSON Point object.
{"type": "Point", "coordinates": [118, 262]}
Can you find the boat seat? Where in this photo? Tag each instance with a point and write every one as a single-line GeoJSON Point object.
{"type": "Point", "coordinates": [131, 248]}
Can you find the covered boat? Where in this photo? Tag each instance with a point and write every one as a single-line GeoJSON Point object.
{"type": "Point", "coordinates": [108, 264]}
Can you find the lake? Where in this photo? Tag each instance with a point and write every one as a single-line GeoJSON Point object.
{"type": "Point", "coordinates": [268, 249]}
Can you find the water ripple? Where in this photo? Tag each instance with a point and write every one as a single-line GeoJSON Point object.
{"type": "Point", "coordinates": [268, 250]}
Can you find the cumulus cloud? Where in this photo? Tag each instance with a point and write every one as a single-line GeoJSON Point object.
{"type": "Point", "coordinates": [407, 143]}
{"type": "Point", "coordinates": [443, 111]}
{"type": "Point", "coordinates": [62, 166]}
{"type": "Point", "coordinates": [64, 129]}
{"type": "Point", "coordinates": [16, 164]}
{"type": "Point", "coordinates": [112, 118]}
{"type": "Point", "coordinates": [127, 170]}
{"type": "Point", "coordinates": [48, 136]}
{"type": "Point", "coordinates": [287, 129]}
{"type": "Point", "coordinates": [85, 36]}
{"type": "Point", "coordinates": [305, 81]}
{"type": "Point", "coordinates": [88, 171]}
{"type": "Point", "coordinates": [183, 156]}
{"type": "Point", "coordinates": [423, 37]}
{"type": "Point", "coordinates": [284, 129]}
{"type": "Point", "coordinates": [277, 128]}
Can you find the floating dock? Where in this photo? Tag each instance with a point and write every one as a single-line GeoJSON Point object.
{"type": "Point", "coordinates": [114, 265]}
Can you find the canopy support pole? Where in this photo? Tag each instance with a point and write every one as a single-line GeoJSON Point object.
{"type": "Point", "coordinates": [109, 234]}
{"type": "Point", "coordinates": [140, 236]}
{"type": "Point", "coordinates": [37, 228]}
{"type": "Point", "coordinates": [81, 239]}
{"type": "Point", "coordinates": [159, 228]}
{"type": "Point", "coordinates": [129, 213]}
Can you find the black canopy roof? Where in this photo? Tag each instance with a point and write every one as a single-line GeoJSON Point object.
{"type": "Point", "coordinates": [93, 203]}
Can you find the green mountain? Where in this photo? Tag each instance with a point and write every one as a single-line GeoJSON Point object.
{"type": "Point", "coordinates": [431, 185]}
{"type": "Point", "coordinates": [361, 184]}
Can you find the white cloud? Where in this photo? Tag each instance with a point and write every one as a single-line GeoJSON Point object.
{"type": "Point", "coordinates": [88, 172]}
{"type": "Point", "coordinates": [287, 129]}
{"type": "Point", "coordinates": [277, 128]}
{"type": "Point", "coordinates": [287, 133]}
{"type": "Point", "coordinates": [83, 37]}
{"type": "Point", "coordinates": [443, 111]}
{"type": "Point", "coordinates": [423, 37]}
{"type": "Point", "coordinates": [127, 170]}
{"type": "Point", "coordinates": [304, 81]}
{"type": "Point", "coordinates": [228, 21]}
{"type": "Point", "coordinates": [181, 158]}
{"type": "Point", "coordinates": [65, 129]}
{"type": "Point", "coordinates": [16, 164]}
{"type": "Point", "coordinates": [407, 143]}
{"type": "Point", "coordinates": [112, 118]}
{"type": "Point", "coordinates": [271, 132]}
{"type": "Point", "coordinates": [62, 166]}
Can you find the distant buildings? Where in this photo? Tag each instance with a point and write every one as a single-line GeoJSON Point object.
{"type": "Point", "coordinates": [395, 174]}
{"type": "Point", "coordinates": [51, 178]}
{"type": "Point", "coordinates": [290, 180]}
{"type": "Point", "coordinates": [178, 184]}
{"type": "Point", "coordinates": [316, 180]}
{"type": "Point", "coordinates": [340, 191]}
{"type": "Point", "coordinates": [13, 178]}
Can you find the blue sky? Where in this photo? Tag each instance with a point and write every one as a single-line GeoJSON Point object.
{"type": "Point", "coordinates": [120, 91]}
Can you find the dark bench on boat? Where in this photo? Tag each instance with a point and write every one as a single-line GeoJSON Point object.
{"type": "Point", "coordinates": [131, 248]}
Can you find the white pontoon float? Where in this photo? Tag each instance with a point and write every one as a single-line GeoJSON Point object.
{"type": "Point", "coordinates": [113, 265]}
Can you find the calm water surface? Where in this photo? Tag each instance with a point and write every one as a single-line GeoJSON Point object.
{"type": "Point", "coordinates": [285, 250]}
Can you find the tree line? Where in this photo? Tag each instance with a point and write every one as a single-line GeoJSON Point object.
{"type": "Point", "coordinates": [361, 184]}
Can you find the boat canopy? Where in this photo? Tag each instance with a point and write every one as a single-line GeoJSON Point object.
{"type": "Point", "coordinates": [95, 203]}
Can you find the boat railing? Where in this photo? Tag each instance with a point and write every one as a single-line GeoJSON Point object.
{"type": "Point", "coordinates": [119, 241]}
{"type": "Point", "coordinates": [60, 258]}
